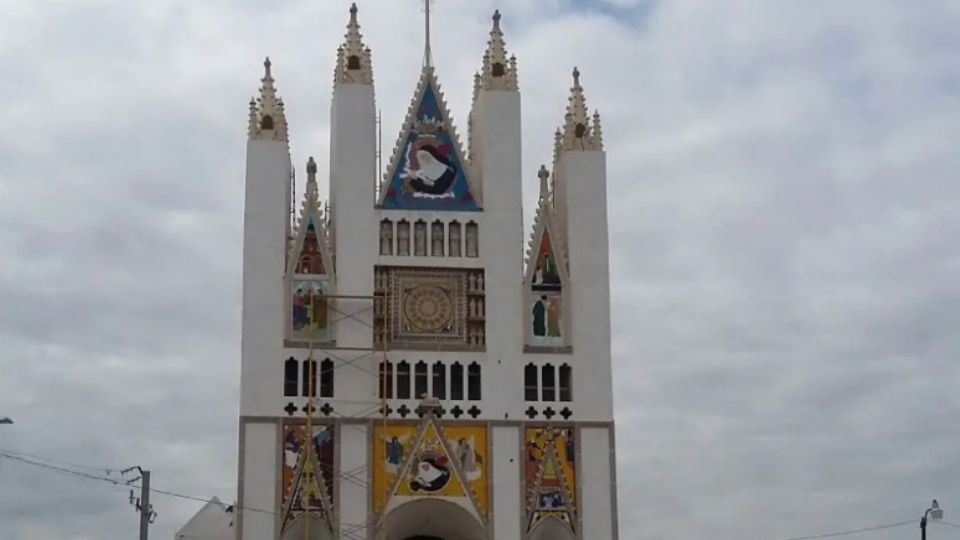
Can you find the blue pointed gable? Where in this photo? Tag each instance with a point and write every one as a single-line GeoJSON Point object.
{"type": "Point", "coordinates": [429, 174]}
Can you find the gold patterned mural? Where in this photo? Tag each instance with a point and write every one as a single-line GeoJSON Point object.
{"type": "Point", "coordinates": [430, 306]}
{"type": "Point", "coordinates": [550, 475]}
{"type": "Point", "coordinates": [430, 460]}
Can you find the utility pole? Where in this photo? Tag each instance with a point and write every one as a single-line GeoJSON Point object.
{"type": "Point", "coordinates": [142, 503]}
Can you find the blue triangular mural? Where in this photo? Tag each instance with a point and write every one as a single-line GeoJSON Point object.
{"type": "Point", "coordinates": [428, 173]}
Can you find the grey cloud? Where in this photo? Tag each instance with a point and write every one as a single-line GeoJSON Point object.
{"type": "Point", "coordinates": [782, 191]}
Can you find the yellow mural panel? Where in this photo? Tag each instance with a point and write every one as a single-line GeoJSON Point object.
{"type": "Point", "coordinates": [440, 464]}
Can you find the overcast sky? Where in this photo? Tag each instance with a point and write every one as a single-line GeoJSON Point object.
{"type": "Point", "coordinates": [784, 183]}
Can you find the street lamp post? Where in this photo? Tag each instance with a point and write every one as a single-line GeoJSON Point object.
{"type": "Point", "coordinates": [935, 513]}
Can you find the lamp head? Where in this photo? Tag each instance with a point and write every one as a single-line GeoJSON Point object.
{"type": "Point", "coordinates": [935, 511]}
{"type": "Point", "coordinates": [6, 420]}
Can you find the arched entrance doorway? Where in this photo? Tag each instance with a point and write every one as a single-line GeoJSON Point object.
{"type": "Point", "coordinates": [433, 519]}
{"type": "Point", "coordinates": [317, 529]}
{"type": "Point", "coordinates": [551, 529]}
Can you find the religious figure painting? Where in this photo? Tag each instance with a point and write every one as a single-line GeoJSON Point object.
{"type": "Point", "coordinates": [444, 462]}
{"type": "Point", "coordinates": [550, 474]}
{"type": "Point", "coordinates": [309, 308]}
{"type": "Point", "coordinates": [546, 318]}
{"type": "Point", "coordinates": [546, 273]}
{"type": "Point", "coordinates": [429, 174]}
{"type": "Point", "coordinates": [311, 259]}
{"type": "Point", "coordinates": [307, 471]}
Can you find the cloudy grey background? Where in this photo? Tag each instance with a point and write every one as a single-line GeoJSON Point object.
{"type": "Point", "coordinates": [783, 205]}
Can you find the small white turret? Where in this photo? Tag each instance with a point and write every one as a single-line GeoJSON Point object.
{"type": "Point", "coordinates": [267, 118]}
{"type": "Point", "coordinates": [354, 64]}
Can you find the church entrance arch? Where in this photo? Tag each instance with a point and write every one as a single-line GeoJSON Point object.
{"type": "Point", "coordinates": [551, 529]}
{"type": "Point", "coordinates": [433, 519]}
{"type": "Point", "coordinates": [316, 530]}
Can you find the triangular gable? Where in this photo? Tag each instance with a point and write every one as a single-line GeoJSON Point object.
{"type": "Point", "coordinates": [431, 470]}
{"type": "Point", "coordinates": [546, 268]}
{"type": "Point", "coordinates": [428, 170]}
{"type": "Point", "coordinates": [310, 251]}
{"type": "Point", "coordinates": [551, 497]}
{"type": "Point", "coordinates": [308, 491]}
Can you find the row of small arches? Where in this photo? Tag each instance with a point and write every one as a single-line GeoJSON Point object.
{"type": "Point", "coordinates": [450, 240]}
{"type": "Point", "coordinates": [415, 381]}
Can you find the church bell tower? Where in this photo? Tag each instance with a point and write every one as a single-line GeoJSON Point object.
{"type": "Point", "coordinates": [414, 364]}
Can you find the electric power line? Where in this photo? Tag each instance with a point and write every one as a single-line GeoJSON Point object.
{"type": "Point", "coordinates": [947, 523]}
{"type": "Point", "coordinates": [852, 531]}
{"type": "Point", "coordinates": [350, 528]}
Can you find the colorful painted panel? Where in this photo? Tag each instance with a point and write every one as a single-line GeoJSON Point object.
{"type": "Point", "coordinates": [310, 307]}
{"type": "Point", "coordinates": [429, 306]}
{"type": "Point", "coordinates": [429, 174]}
{"type": "Point", "coordinates": [546, 273]}
{"type": "Point", "coordinates": [307, 472]}
{"type": "Point", "coordinates": [447, 460]}
{"type": "Point", "coordinates": [311, 259]}
{"type": "Point", "coordinates": [546, 318]}
{"type": "Point", "coordinates": [550, 474]}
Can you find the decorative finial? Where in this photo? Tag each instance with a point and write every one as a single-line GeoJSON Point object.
{"type": "Point", "coordinates": [544, 175]}
{"type": "Point", "coordinates": [311, 167]}
{"type": "Point", "coordinates": [496, 19]}
{"type": "Point", "coordinates": [353, 13]}
{"type": "Point", "coordinates": [576, 77]}
{"type": "Point", "coordinates": [266, 67]}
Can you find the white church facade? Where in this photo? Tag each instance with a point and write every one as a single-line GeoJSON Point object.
{"type": "Point", "coordinates": [414, 363]}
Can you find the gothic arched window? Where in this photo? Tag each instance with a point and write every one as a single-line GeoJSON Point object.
{"type": "Point", "coordinates": [436, 239]}
{"type": "Point", "coordinates": [566, 383]}
{"type": "Point", "coordinates": [386, 237]}
{"type": "Point", "coordinates": [473, 382]}
{"type": "Point", "coordinates": [497, 70]}
{"type": "Point", "coordinates": [403, 380]}
{"type": "Point", "coordinates": [326, 378]}
{"type": "Point", "coordinates": [549, 383]}
{"type": "Point", "coordinates": [580, 131]}
{"type": "Point", "coordinates": [385, 382]}
{"type": "Point", "coordinates": [291, 374]}
{"type": "Point", "coordinates": [309, 378]}
{"type": "Point", "coordinates": [439, 380]}
{"type": "Point", "coordinates": [403, 238]}
{"type": "Point", "coordinates": [456, 381]}
{"type": "Point", "coordinates": [531, 391]}
{"type": "Point", "coordinates": [266, 122]}
{"type": "Point", "coordinates": [353, 62]}
{"type": "Point", "coordinates": [454, 235]}
{"type": "Point", "coordinates": [420, 238]}
{"type": "Point", "coordinates": [420, 380]}
{"type": "Point", "coordinates": [472, 240]}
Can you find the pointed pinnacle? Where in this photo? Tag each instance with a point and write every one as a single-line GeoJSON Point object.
{"type": "Point", "coordinates": [496, 19]}
{"type": "Point", "coordinates": [544, 175]}
{"type": "Point", "coordinates": [353, 13]}
{"type": "Point", "coordinates": [266, 67]}
{"type": "Point", "coordinates": [576, 77]}
{"type": "Point", "coordinates": [311, 167]}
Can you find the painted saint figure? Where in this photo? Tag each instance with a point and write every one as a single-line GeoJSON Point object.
{"type": "Point", "coordinates": [539, 316]}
